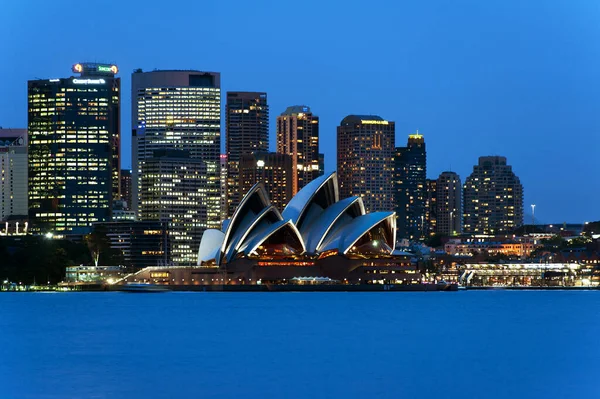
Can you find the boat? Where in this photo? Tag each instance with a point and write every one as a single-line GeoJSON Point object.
{"type": "Point", "coordinates": [143, 287]}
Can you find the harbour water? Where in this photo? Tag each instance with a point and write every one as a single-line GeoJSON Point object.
{"type": "Point", "coordinates": [473, 344]}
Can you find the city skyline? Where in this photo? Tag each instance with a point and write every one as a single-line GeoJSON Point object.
{"type": "Point", "coordinates": [516, 93]}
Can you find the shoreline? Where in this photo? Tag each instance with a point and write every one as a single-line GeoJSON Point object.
{"type": "Point", "coordinates": [311, 288]}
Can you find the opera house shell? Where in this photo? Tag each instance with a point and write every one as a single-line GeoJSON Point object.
{"type": "Point", "coordinates": [317, 234]}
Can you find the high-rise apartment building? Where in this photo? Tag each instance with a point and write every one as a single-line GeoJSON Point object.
{"type": "Point", "coordinates": [13, 173]}
{"type": "Point", "coordinates": [298, 137]}
{"type": "Point", "coordinates": [273, 170]}
{"type": "Point", "coordinates": [247, 132]}
{"type": "Point", "coordinates": [449, 204]}
{"type": "Point", "coordinates": [74, 149]}
{"type": "Point", "coordinates": [410, 164]}
{"type": "Point", "coordinates": [126, 187]}
{"type": "Point", "coordinates": [430, 207]}
{"type": "Point", "coordinates": [365, 150]}
{"type": "Point", "coordinates": [174, 185]}
{"type": "Point", "coordinates": [178, 110]}
{"type": "Point", "coordinates": [493, 198]}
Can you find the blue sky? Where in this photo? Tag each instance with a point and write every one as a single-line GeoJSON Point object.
{"type": "Point", "coordinates": [513, 78]}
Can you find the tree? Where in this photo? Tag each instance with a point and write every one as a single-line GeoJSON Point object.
{"type": "Point", "coordinates": [57, 264]}
{"type": "Point", "coordinates": [591, 228]}
{"type": "Point", "coordinates": [97, 242]}
{"type": "Point", "coordinates": [434, 241]}
{"type": "Point", "coordinates": [554, 242]}
{"type": "Point", "coordinates": [578, 242]}
{"type": "Point", "coordinates": [35, 258]}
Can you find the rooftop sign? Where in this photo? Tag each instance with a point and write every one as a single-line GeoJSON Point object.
{"type": "Point", "coordinates": [374, 122]}
{"type": "Point", "coordinates": [93, 67]}
{"type": "Point", "coordinates": [89, 81]}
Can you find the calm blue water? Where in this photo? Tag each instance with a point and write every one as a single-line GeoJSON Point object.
{"type": "Point", "coordinates": [493, 344]}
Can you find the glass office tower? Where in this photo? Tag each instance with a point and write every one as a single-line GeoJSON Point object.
{"type": "Point", "coordinates": [178, 110]}
{"type": "Point", "coordinates": [74, 149]}
{"type": "Point", "coordinates": [410, 175]}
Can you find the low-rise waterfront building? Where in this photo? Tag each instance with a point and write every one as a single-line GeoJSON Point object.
{"type": "Point", "coordinates": [94, 274]}
{"type": "Point", "coordinates": [509, 248]}
{"type": "Point", "coordinates": [523, 274]}
{"type": "Point", "coordinates": [143, 243]}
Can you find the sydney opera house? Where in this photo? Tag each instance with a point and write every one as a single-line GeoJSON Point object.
{"type": "Point", "coordinates": [317, 237]}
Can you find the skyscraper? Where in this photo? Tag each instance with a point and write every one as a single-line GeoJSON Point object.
{"type": "Point", "coordinates": [174, 187]}
{"type": "Point", "coordinates": [273, 170]}
{"type": "Point", "coordinates": [430, 207]}
{"type": "Point", "coordinates": [365, 150]}
{"type": "Point", "coordinates": [13, 173]}
{"type": "Point", "coordinates": [178, 110]}
{"type": "Point", "coordinates": [449, 204]}
{"type": "Point", "coordinates": [247, 127]}
{"type": "Point", "coordinates": [74, 149]}
{"type": "Point", "coordinates": [493, 198]}
{"type": "Point", "coordinates": [298, 137]}
{"type": "Point", "coordinates": [410, 164]}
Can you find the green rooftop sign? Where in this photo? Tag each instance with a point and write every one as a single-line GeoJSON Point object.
{"type": "Point", "coordinates": [107, 68]}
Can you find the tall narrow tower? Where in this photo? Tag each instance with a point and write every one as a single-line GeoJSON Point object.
{"type": "Point", "coordinates": [247, 132]}
{"type": "Point", "coordinates": [13, 173]}
{"type": "Point", "coordinates": [449, 204]}
{"type": "Point", "coordinates": [410, 187]}
{"type": "Point", "coordinates": [298, 137]}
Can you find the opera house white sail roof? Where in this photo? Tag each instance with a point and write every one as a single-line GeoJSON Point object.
{"type": "Point", "coordinates": [315, 223]}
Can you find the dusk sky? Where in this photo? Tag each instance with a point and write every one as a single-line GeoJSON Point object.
{"type": "Point", "coordinates": [514, 78]}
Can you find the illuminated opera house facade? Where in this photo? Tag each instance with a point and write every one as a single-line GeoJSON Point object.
{"type": "Point", "coordinates": [318, 236]}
